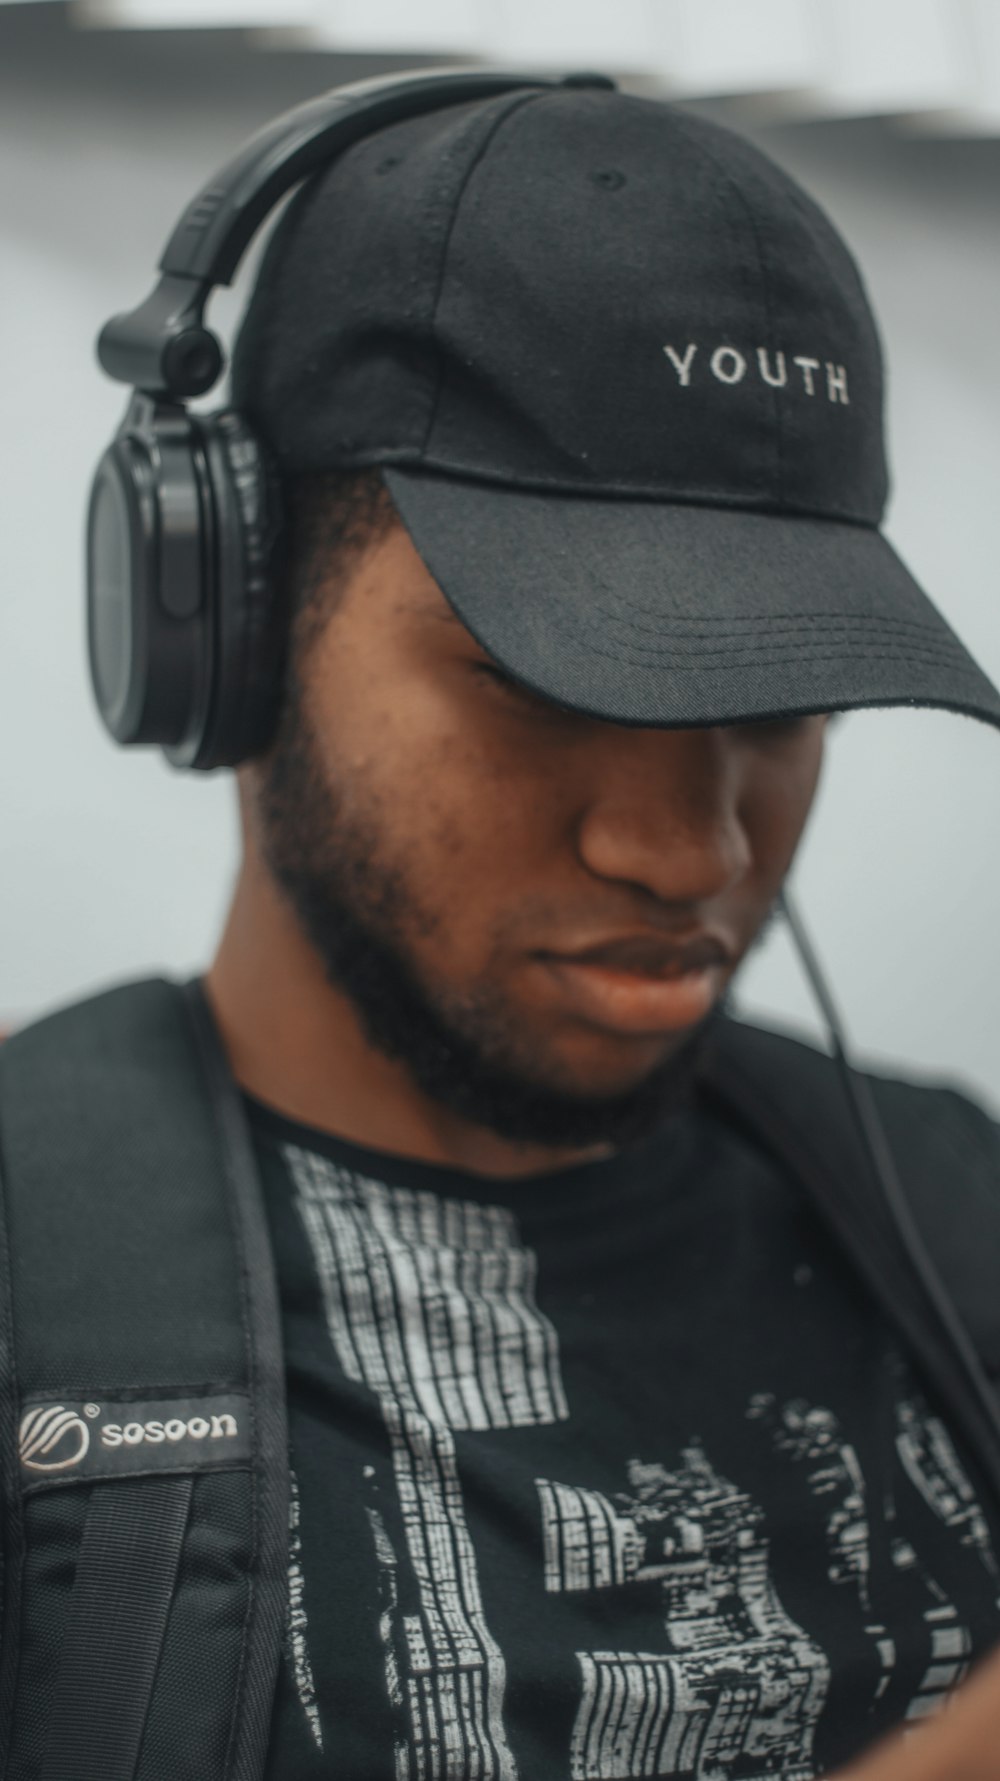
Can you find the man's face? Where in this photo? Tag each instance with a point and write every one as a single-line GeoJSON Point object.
{"type": "Point", "coordinates": [446, 839]}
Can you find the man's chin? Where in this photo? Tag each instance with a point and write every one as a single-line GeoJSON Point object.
{"type": "Point", "coordinates": [566, 1102]}
{"type": "Point", "coordinates": [592, 1064]}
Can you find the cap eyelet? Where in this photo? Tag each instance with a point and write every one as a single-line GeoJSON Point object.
{"type": "Point", "coordinates": [609, 178]}
{"type": "Point", "coordinates": [388, 164]}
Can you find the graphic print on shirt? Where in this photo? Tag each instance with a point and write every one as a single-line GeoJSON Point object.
{"type": "Point", "coordinates": [950, 1642]}
{"type": "Point", "coordinates": [811, 1435]}
{"type": "Point", "coordinates": [930, 1462]}
{"type": "Point", "coordinates": [297, 1630]}
{"type": "Point", "coordinates": [929, 1459]}
{"type": "Point", "coordinates": [739, 1682]}
{"type": "Point", "coordinates": [431, 1304]}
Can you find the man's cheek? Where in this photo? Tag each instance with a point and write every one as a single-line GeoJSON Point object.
{"type": "Point", "coordinates": [774, 819]}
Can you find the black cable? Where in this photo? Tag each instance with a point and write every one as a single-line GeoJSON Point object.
{"type": "Point", "coordinates": [876, 1143]}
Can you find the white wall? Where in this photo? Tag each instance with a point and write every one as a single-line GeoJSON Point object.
{"type": "Point", "coordinates": [112, 865]}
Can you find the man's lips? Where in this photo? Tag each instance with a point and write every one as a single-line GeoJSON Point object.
{"type": "Point", "coordinates": [643, 983]}
{"type": "Point", "coordinates": [654, 955]}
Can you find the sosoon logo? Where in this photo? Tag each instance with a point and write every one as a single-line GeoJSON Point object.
{"type": "Point", "coordinates": [198, 1428]}
{"type": "Point", "coordinates": [105, 1440]}
{"type": "Point", "coordinates": [52, 1429]}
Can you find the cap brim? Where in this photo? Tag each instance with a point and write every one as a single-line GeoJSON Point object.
{"type": "Point", "coordinates": [643, 612]}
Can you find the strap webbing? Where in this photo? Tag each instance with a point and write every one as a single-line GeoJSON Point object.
{"type": "Point", "coordinates": [125, 1577]}
{"type": "Point", "coordinates": [265, 1623]}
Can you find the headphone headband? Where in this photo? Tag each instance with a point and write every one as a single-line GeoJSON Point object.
{"type": "Point", "coordinates": [186, 637]}
{"type": "Point", "coordinates": [163, 346]}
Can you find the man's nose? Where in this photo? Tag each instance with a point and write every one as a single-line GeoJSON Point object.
{"type": "Point", "coordinates": [663, 812]}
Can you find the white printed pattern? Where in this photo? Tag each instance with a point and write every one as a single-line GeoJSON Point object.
{"type": "Point", "coordinates": [811, 1434]}
{"type": "Point", "coordinates": [297, 1642]}
{"type": "Point", "coordinates": [740, 1681]}
{"type": "Point", "coordinates": [431, 1304]}
{"type": "Point", "coordinates": [930, 1462]}
{"type": "Point", "coordinates": [387, 1567]}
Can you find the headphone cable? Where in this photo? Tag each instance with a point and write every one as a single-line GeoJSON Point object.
{"type": "Point", "coordinates": [873, 1136]}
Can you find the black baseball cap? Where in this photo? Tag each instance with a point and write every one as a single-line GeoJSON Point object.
{"type": "Point", "coordinates": [625, 387]}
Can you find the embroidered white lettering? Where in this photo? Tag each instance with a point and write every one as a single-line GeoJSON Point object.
{"type": "Point", "coordinates": [836, 383]}
{"type": "Point", "coordinates": [198, 1429]}
{"type": "Point", "coordinates": [682, 366]}
{"type": "Point", "coordinates": [728, 365]}
{"type": "Point", "coordinates": [807, 367]}
{"type": "Point", "coordinates": [779, 377]}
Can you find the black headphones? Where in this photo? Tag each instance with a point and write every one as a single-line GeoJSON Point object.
{"type": "Point", "coordinates": [185, 635]}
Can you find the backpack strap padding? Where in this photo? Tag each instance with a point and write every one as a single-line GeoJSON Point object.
{"type": "Point", "coordinates": [140, 1268]}
{"type": "Point", "coordinates": [118, 1228]}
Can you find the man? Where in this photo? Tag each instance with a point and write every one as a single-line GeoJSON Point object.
{"type": "Point", "coordinates": [606, 1461]}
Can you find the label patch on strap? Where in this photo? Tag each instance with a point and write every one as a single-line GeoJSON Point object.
{"type": "Point", "coordinates": [102, 1438]}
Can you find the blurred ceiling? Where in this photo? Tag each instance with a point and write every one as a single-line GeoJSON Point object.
{"type": "Point", "coordinates": [932, 65]}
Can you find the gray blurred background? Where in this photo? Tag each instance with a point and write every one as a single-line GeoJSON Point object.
{"type": "Point", "coordinates": [111, 116]}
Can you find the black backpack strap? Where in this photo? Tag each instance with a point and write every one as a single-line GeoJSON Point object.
{"type": "Point", "coordinates": [266, 1620]}
{"type": "Point", "coordinates": [149, 1388]}
{"type": "Point", "coordinates": [126, 1573]}
{"type": "Point", "coordinates": [789, 1097]}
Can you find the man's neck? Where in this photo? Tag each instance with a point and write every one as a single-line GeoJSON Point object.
{"type": "Point", "coordinates": [295, 1042]}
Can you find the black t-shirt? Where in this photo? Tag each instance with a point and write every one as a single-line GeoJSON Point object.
{"type": "Point", "coordinates": [611, 1472]}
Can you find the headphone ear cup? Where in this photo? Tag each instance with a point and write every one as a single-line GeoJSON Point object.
{"type": "Point", "coordinates": [249, 636]}
{"type": "Point", "coordinates": [150, 548]}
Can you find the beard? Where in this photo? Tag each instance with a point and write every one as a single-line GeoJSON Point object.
{"type": "Point", "coordinates": [467, 1050]}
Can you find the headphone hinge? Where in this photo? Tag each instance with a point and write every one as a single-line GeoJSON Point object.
{"type": "Point", "coordinates": [163, 346]}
